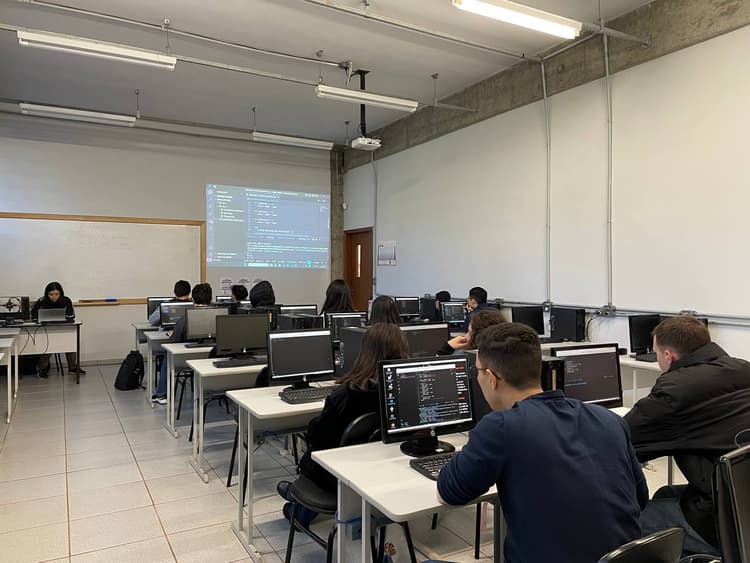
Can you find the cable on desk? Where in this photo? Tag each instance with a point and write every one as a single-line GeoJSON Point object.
{"type": "Point", "coordinates": [594, 316]}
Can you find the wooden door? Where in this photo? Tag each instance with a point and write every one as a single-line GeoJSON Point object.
{"type": "Point", "coordinates": [358, 266]}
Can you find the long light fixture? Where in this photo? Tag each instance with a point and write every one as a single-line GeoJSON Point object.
{"type": "Point", "coordinates": [57, 112]}
{"type": "Point", "coordinates": [92, 48]}
{"type": "Point", "coordinates": [517, 14]}
{"type": "Point", "coordinates": [291, 141]}
{"type": "Point", "coordinates": [367, 98]}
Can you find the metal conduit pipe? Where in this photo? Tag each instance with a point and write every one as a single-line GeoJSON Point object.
{"type": "Point", "coordinates": [182, 33]}
{"type": "Point", "coordinates": [610, 155]}
{"type": "Point", "coordinates": [548, 219]}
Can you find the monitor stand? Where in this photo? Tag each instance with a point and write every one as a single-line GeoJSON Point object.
{"type": "Point", "coordinates": [200, 343]}
{"type": "Point", "coordinates": [422, 447]}
{"type": "Point", "coordinates": [297, 385]}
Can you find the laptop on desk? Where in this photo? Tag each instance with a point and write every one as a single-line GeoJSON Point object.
{"type": "Point", "coordinates": [51, 316]}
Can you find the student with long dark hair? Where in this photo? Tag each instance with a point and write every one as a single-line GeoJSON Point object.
{"type": "Point", "coordinates": [54, 298]}
{"type": "Point", "coordinates": [338, 298]}
{"type": "Point", "coordinates": [384, 310]}
{"type": "Point", "coordinates": [357, 395]}
{"type": "Point", "coordinates": [262, 295]}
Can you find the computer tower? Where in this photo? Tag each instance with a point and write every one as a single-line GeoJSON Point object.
{"type": "Point", "coordinates": [568, 324]}
{"type": "Point", "coordinates": [298, 322]}
{"type": "Point", "coordinates": [553, 373]}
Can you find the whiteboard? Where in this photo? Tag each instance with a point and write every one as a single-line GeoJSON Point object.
{"type": "Point", "coordinates": [93, 259]}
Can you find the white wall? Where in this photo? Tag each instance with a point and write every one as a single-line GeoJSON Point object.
{"type": "Point", "coordinates": [52, 167]}
{"type": "Point", "coordinates": [468, 208]}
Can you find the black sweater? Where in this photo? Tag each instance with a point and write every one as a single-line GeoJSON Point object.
{"type": "Point", "coordinates": [324, 432]}
{"type": "Point", "coordinates": [694, 411]}
{"type": "Point", "coordinates": [46, 303]}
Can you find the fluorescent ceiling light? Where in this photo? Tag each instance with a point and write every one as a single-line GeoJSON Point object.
{"type": "Point", "coordinates": [363, 97]}
{"type": "Point", "coordinates": [291, 141]}
{"type": "Point", "coordinates": [92, 48]}
{"type": "Point", "coordinates": [56, 112]}
{"type": "Point", "coordinates": [523, 16]}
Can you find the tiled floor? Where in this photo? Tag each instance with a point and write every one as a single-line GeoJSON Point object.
{"type": "Point", "coordinates": [88, 473]}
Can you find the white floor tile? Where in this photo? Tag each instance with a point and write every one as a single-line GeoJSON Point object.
{"type": "Point", "coordinates": [90, 479]}
{"type": "Point", "coordinates": [187, 514]}
{"type": "Point", "coordinates": [35, 544]}
{"type": "Point", "coordinates": [110, 530]}
{"type": "Point", "coordinates": [85, 504]}
{"type": "Point", "coordinates": [30, 489]}
{"type": "Point", "coordinates": [214, 543]}
{"type": "Point", "coordinates": [152, 551]}
{"type": "Point", "coordinates": [27, 469]}
{"type": "Point", "coordinates": [33, 513]}
{"type": "Point", "coordinates": [178, 487]}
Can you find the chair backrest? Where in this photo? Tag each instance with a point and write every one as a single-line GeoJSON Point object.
{"type": "Point", "coordinates": [362, 429]}
{"type": "Point", "coordinates": [660, 547]}
{"type": "Point", "coordinates": [731, 486]}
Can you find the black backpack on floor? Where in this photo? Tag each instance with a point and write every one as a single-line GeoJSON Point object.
{"type": "Point", "coordinates": [130, 375]}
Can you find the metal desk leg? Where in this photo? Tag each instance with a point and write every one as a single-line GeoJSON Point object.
{"type": "Point", "coordinates": [10, 386]}
{"type": "Point", "coordinates": [78, 354]}
{"type": "Point", "coordinates": [670, 471]}
{"type": "Point", "coordinates": [169, 424]}
{"type": "Point", "coordinates": [244, 532]}
{"type": "Point", "coordinates": [350, 508]}
{"type": "Point", "coordinates": [149, 374]}
{"type": "Point", "coordinates": [635, 386]}
{"type": "Point", "coordinates": [366, 532]}
{"type": "Point", "coordinates": [15, 363]}
{"type": "Point", "coordinates": [499, 530]}
{"type": "Point", "coordinates": [197, 459]}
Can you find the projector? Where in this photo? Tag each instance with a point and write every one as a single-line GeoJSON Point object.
{"type": "Point", "coordinates": [366, 144]}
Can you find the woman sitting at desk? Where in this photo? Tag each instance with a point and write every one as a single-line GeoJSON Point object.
{"type": "Point", "coordinates": [239, 294]}
{"type": "Point", "coordinates": [338, 298]}
{"type": "Point", "coordinates": [54, 298]}
{"type": "Point", "coordinates": [356, 395]}
{"type": "Point", "coordinates": [384, 310]}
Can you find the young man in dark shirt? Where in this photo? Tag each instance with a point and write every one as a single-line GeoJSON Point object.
{"type": "Point", "coordinates": [477, 301]}
{"type": "Point", "coordinates": [569, 483]}
{"type": "Point", "coordinates": [694, 411]}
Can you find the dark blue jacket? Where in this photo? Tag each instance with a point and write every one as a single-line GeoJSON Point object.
{"type": "Point", "coordinates": [480, 307]}
{"type": "Point", "coordinates": [569, 483]}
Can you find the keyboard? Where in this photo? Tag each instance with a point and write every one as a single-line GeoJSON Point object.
{"type": "Point", "coordinates": [430, 466]}
{"type": "Point", "coordinates": [206, 344]}
{"type": "Point", "coordinates": [238, 363]}
{"type": "Point", "coordinates": [647, 357]}
{"type": "Point", "coordinates": [309, 395]}
{"type": "Point", "coordinates": [550, 340]}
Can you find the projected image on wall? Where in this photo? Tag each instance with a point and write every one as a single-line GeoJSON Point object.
{"type": "Point", "coordinates": [262, 228]}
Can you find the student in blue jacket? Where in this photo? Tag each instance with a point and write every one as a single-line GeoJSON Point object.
{"type": "Point", "coordinates": [569, 483]}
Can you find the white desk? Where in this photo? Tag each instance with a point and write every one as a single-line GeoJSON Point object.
{"type": "Point", "coordinates": [140, 328]}
{"type": "Point", "coordinates": [178, 353]}
{"type": "Point", "coordinates": [154, 341]}
{"type": "Point", "coordinates": [636, 366]}
{"type": "Point", "coordinates": [378, 475]}
{"type": "Point", "coordinates": [261, 407]}
{"type": "Point", "coordinates": [11, 333]}
{"type": "Point", "coordinates": [52, 338]}
{"type": "Point", "coordinates": [206, 377]}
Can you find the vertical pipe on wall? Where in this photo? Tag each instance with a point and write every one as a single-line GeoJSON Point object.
{"type": "Point", "coordinates": [374, 226]}
{"type": "Point", "coordinates": [610, 149]}
{"type": "Point", "coordinates": [548, 220]}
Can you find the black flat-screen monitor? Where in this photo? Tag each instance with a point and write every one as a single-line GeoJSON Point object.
{"type": "Point", "coordinates": [298, 310]}
{"type": "Point", "coordinates": [152, 304]}
{"type": "Point", "coordinates": [592, 373]}
{"type": "Point", "coordinates": [427, 309]}
{"type": "Point", "coordinates": [200, 322]}
{"type": "Point", "coordinates": [568, 324]}
{"type": "Point", "coordinates": [173, 310]}
{"type": "Point", "coordinates": [339, 321]}
{"type": "Point", "coordinates": [453, 312]}
{"type": "Point", "coordinates": [223, 299]}
{"type": "Point", "coordinates": [271, 312]}
{"type": "Point", "coordinates": [530, 316]}
{"type": "Point", "coordinates": [14, 308]}
{"type": "Point", "coordinates": [640, 328]}
{"type": "Point", "coordinates": [420, 399]}
{"type": "Point", "coordinates": [238, 335]}
{"type": "Point", "coordinates": [426, 339]}
{"type": "Point", "coordinates": [407, 306]}
{"type": "Point", "coordinates": [300, 356]}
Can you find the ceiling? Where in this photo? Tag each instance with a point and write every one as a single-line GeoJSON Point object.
{"type": "Point", "coordinates": [400, 62]}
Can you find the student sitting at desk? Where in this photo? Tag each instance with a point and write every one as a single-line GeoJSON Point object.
{"type": "Point", "coordinates": [239, 294]}
{"type": "Point", "coordinates": [54, 298]}
{"type": "Point", "coordinates": [481, 320]}
{"type": "Point", "coordinates": [477, 301]}
{"type": "Point", "coordinates": [338, 298]}
{"type": "Point", "coordinates": [357, 395]}
{"type": "Point", "coordinates": [262, 295]}
{"type": "Point", "coordinates": [569, 483]}
{"type": "Point", "coordinates": [384, 310]}
{"type": "Point", "coordinates": [202, 296]}
{"type": "Point", "coordinates": [181, 293]}
{"type": "Point", "coordinates": [694, 412]}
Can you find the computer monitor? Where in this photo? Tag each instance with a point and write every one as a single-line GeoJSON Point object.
{"type": "Point", "coordinates": [427, 309]}
{"type": "Point", "coordinates": [592, 373]}
{"type": "Point", "coordinates": [299, 356]}
{"type": "Point", "coordinates": [270, 311]}
{"type": "Point", "coordinates": [530, 316]}
{"type": "Point", "coordinates": [174, 310]}
{"type": "Point", "coordinates": [14, 308]}
{"type": "Point", "coordinates": [298, 310]}
{"type": "Point", "coordinates": [407, 306]}
{"type": "Point", "coordinates": [223, 299]}
{"type": "Point", "coordinates": [339, 321]}
{"type": "Point", "coordinates": [152, 304]}
{"type": "Point", "coordinates": [454, 312]}
{"type": "Point", "coordinates": [200, 322]}
{"type": "Point", "coordinates": [420, 399]}
{"type": "Point", "coordinates": [241, 335]}
{"type": "Point", "coordinates": [640, 328]}
{"type": "Point", "coordinates": [426, 339]}
{"type": "Point", "coordinates": [568, 324]}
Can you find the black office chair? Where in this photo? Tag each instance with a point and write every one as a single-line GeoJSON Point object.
{"type": "Point", "coordinates": [182, 377]}
{"type": "Point", "coordinates": [731, 492]}
{"type": "Point", "coordinates": [660, 547]}
{"type": "Point", "coordinates": [306, 493]}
